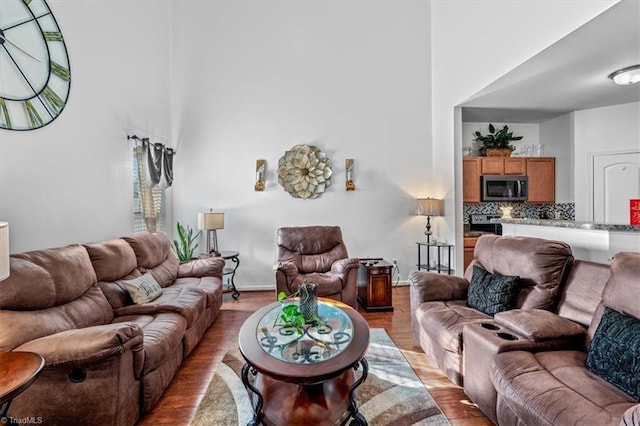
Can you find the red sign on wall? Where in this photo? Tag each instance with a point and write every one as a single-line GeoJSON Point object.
{"type": "Point", "coordinates": [634, 212]}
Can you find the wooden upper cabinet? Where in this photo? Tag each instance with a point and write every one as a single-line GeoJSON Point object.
{"type": "Point", "coordinates": [541, 172]}
{"type": "Point", "coordinates": [503, 166]}
{"type": "Point", "coordinates": [471, 179]}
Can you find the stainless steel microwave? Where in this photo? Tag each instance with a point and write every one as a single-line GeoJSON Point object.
{"type": "Point", "coordinates": [504, 188]}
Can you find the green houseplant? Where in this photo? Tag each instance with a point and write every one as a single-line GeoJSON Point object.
{"type": "Point", "coordinates": [498, 142]}
{"type": "Point", "coordinates": [290, 314]}
{"type": "Point", "coordinates": [184, 245]}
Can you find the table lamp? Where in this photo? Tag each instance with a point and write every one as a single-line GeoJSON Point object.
{"type": "Point", "coordinates": [211, 222]}
{"type": "Point", "coordinates": [429, 207]}
{"type": "Point", "coordinates": [4, 251]}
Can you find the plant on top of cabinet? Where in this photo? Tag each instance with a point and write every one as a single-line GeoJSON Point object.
{"type": "Point", "coordinates": [497, 143]}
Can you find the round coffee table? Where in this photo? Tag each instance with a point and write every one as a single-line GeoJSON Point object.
{"type": "Point", "coordinates": [305, 376]}
{"type": "Point", "coordinates": [17, 371]}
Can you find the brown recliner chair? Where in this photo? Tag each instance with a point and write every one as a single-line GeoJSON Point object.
{"type": "Point", "coordinates": [316, 254]}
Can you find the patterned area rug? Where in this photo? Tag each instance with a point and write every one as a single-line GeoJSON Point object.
{"type": "Point", "coordinates": [392, 394]}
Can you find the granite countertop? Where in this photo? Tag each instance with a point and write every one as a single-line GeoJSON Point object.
{"type": "Point", "coordinates": [571, 224]}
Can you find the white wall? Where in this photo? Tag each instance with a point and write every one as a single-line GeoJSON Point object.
{"type": "Point", "coordinates": [468, 53]}
{"type": "Point", "coordinates": [70, 181]}
{"type": "Point", "coordinates": [252, 79]}
{"type": "Point", "coordinates": [557, 137]}
{"type": "Point", "coordinates": [601, 130]}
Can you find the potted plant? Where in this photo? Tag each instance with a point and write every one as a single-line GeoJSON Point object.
{"type": "Point", "coordinates": [185, 247]}
{"type": "Point", "coordinates": [497, 143]}
{"type": "Point", "coordinates": [296, 315]}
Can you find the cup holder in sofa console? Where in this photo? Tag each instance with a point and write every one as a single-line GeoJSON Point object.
{"type": "Point", "coordinates": [490, 326]}
{"type": "Point", "coordinates": [506, 336]}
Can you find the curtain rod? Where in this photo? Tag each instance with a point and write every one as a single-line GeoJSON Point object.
{"type": "Point", "coordinates": [135, 137]}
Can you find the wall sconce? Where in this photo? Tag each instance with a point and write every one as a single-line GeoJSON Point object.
{"type": "Point", "coordinates": [4, 251]}
{"type": "Point", "coordinates": [210, 222]}
{"type": "Point", "coordinates": [429, 207]}
{"type": "Point", "coordinates": [351, 186]}
{"type": "Point", "coordinates": [260, 172]}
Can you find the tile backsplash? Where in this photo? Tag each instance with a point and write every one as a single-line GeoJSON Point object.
{"type": "Point", "coordinates": [561, 211]}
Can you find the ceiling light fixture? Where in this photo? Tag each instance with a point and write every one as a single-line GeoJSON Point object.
{"type": "Point", "coordinates": [628, 75]}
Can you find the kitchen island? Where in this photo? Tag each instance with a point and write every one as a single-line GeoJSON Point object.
{"type": "Point", "coordinates": [597, 242]}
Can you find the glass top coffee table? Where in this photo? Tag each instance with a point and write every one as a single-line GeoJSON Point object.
{"type": "Point", "coordinates": [306, 375]}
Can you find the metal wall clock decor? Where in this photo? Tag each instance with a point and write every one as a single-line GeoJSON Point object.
{"type": "Point", "coordinates": [304, 171]}
{"type": "Point", "coordinates": [35, 76]}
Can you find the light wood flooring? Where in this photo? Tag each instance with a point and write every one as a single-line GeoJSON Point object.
{"type": "Point", "coordinates": [180, 401]}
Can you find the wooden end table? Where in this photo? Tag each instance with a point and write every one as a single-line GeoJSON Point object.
{"type": "Point", "coordinates": [307, 378]}
{"type": "Point", "coordinates": [17, 371]}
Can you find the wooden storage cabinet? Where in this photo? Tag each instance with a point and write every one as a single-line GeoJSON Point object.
{"type": "Point", "coordinates": [375, 285]}
{"type": "Point", "coordinates": [469, 247]}
{"type": "Point", "coordinates": [503, 166]}
{"type": "Point", "coordinates": [541, 172]}
{"type": "Point", "coordinates": [471, 179]}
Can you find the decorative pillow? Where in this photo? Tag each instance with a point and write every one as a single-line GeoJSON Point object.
{"type": "Point", "coordinates": [143, 289]}
{"type": "Point", "coordinates": [614, 352]}
{"type": "Point", "coordinates": [492, 293]}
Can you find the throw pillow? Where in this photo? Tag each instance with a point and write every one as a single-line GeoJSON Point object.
{"type": "Point", "coordinates": [614, 352]}
{"type": "Point", "coordinates": [143, 289]}
{"type": "Point", "coordinates": [492, 293]}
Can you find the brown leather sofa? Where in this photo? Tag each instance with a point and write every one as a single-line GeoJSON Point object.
{"type": "Point", "coordinates": [107, 360]}
{"type": "Point", "coordinates": [526, 366]}
{"type": "Point", "coordinates": [316, 254]}
{"type": "Point", "coordinates": [439, 309]}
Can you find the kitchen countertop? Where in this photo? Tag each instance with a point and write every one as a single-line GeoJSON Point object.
{"type": "Point", "coordinates": [571, 224]}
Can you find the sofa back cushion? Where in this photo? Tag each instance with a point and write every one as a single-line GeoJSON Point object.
{"type": "Point", "coordinates": [622, 289]}
{"type": "Point", "coordinates": [112, 260]}
{"type": "Point", "coordinates": [541, 264]}
{"type": "Point", "coordinates": [581, 294]}
{"type": "Point", "coordinates": [50, 291]}
{"type": "Point", "coordinates": [311, 248]}
{"type": "Point", "coordinates": [154, 254]}
{"type": "Point", "coordinates": [45, 278]}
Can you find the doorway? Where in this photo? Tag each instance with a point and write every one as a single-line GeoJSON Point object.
{"type": "Point", "coordinates": [616, 180]}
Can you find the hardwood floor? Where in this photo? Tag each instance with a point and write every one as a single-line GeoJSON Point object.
{"type": "Point", "coordinates": [180, 401]}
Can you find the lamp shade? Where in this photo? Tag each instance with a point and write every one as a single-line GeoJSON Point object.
{"type": "Point", "coordinates": [210, 220]}
{"type": "Point", "coordinates": [4, 250]}
{"type": "Point", "coordinates": [429, 207]}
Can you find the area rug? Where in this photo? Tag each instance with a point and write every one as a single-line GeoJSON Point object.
{"type": "Point", "coordinates": [392, 394]}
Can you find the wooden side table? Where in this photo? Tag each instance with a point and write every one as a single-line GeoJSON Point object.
{"type": "Point", "coordinates": [17, 371]}
{"type": "Point", "coordinates": [230, 271]}
{"type": "Point", "coordinates": [375, 285]}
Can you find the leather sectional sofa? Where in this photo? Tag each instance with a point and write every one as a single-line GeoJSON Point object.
{"type": "Point", "coordinates": [107, 359]}
{"type": "Point", "coordinates": [527, 365]}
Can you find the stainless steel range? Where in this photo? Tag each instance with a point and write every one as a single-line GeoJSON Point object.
{"type": "Point", "coordinates": [482, 223]}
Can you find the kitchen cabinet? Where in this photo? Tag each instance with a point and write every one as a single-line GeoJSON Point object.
{"type": "Point", "coordinates": [503, 166]}
{"type": "Point", "coordinates": [541, 172]}
{"type": "Point", "coordinates": [471, 179]}
{"type": "Point", "coordinates": [469, 247]}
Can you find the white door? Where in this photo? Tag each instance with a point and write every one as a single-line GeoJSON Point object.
{"type": "Point", "coordinates": [616, 180]}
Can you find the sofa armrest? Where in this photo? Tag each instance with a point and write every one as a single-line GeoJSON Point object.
{"type": "Point", "coordinates": [343, 266]}
{"type": "Point", "coordinates": [289, 269]}
{"type": "Point", "coordinates": [631, 417]}
{"type": "Point", "coordinates": [539, 325]}
{"type": "Point", "coordinates": [430, 286]}
{"type": "Point", "coordinates": [89, 345]}
{"type": "Point", "coordinates": [198, 268]}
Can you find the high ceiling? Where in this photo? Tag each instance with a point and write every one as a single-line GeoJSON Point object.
{"type": "Point", "coordinates": [570, 75]}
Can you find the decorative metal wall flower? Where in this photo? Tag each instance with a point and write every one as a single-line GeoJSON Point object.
{"type": "Point", "coordinates": [304, 171]}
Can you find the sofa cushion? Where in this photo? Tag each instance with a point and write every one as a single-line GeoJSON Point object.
{"type": "Point", "coordinates": [539, 325]}
{"type": "Point", "coordinates": [492, 293]}
{"type": "Point", "coordinates": [614, 352]}
{"type": "Point", "coordinates": [154, 254]}
{"type": "Point", "coordinates": [541, 264]}
{"type": "Point", "coordinates": [54, 276]}
{"type": "Point", "coordinates": [555, 388]}
{"type": "Point", "coordinates": [112, 260]}
{"type": "Point", "coordinates": [143, 289]}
